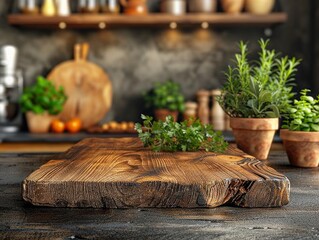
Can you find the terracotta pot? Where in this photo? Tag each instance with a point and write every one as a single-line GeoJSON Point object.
{"type": "Point", "coordinates": [302, 147]}
{"type": "Point", "coordinates": [39, 123]}
{"type": "Point", "coordinates": [233, 6]}
{"type": "Point", "coordinates": [254, 135]}
{"type": "Point", "coordinates": [161, 114]}
{"type": "Point", "coordinates": [259, 6]}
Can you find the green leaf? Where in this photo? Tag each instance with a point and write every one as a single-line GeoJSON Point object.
{"type": "Point", "coordinates": [265, 96]}
{"type": "Point", "coordinates": [297, 121]}
{"type": "Point", "coordinates": [275, 110]}
{"type": "Point", "coordinates": [252, 103]}
{"type": "Point", "coordinates": [315, 127]}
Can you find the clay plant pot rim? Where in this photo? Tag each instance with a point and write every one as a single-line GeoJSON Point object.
{"type": "Point", "coordinates": [299, 136]}
{"type": "Point", "coordinates": [254, 123]}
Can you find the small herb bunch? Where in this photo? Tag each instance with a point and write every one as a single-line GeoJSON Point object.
{"type": "Point", "coordinates": [42, 97]}
{"type": "Point", "coordinates": [303, 114]}
{"type": "Point", "coordinates": [166, 95]}
{"type": "Point", "coordinates": [173, 136]}
{"type": "Point", "coordinates": [258, 89]}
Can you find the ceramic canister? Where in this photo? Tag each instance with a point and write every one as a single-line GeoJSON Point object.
{"type": "Point", "coordinates": [175, 7]}
{"type": "Point", "coordinates": [259, 6]}
{"type": "Point", "coordinates": [232, 6]}
{"type": "Point", "coordinates": [63, 7]}
{"type": "Point", "coordinates": [204, 6]}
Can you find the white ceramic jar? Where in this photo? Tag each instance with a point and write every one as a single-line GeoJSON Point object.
{"type": "Point", "coordinates": [63, 7]}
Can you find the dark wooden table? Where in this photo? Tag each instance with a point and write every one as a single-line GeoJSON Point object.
{"type": "Point", "coordinates": [19, 220]}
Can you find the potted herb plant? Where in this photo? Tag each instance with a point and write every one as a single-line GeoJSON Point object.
{"type": "Point", "coordinates": [254, 96]}
{"type": "Point", "coordinates": [41, 102]}
{"type": "Point", "coordinates": [166, 99]}
{"type": "Point", "coordinates": [300, 133]}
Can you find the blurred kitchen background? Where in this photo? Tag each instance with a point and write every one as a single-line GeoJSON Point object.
{"type": "Point", "coordinates": [136, 57]}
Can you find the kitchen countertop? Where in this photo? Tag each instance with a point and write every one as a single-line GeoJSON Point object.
{"type": "Point", "coordinates": [54, 137]}
{"type": "Point", "coordinates": [19, 220]}
{"type": "Point", "coordinates": [73, 138]}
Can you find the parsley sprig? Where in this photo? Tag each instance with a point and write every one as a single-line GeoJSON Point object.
{"type": "Point", "coordinates": [173, 136]}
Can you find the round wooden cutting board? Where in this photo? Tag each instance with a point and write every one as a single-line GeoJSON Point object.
{"type": "Point", "coordinates": [87, 87]}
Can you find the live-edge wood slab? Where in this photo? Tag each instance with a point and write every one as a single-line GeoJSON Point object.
{"type": "Point", "coordinates": [121, 173]}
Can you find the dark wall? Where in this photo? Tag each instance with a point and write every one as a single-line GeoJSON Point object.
{"type": "Point", "coordinates": [136, 58]}
{"type": "Point", "coordinates": [315, 56]}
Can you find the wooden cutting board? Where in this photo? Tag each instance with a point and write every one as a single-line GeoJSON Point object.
{"type": "Point", "coordinates": [120, 173]}
{"type": "Point", "coordinates": [87, 86]}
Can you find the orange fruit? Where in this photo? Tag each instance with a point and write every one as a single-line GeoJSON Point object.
{"type": "Point", "coordinates": [57, 126]}
{"type": "Point", "coordinates": [113, 125]}
{"type": "Point", "coordinates": [123, 126]}
{"type": "Point", "coordinates": [74, 125]}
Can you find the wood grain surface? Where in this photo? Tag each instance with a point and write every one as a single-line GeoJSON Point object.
{"type": "Point", "coordinates": [121, 173]}
{"type": "Point", "coordinates": [151, 20]}
{"type": "Point", "coordinates": [20, 220]}
{"type": "Point", "coordinates": [87, 87]}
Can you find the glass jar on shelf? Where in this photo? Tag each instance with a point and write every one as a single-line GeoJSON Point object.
{"type": "Point", "coordinates": [89, 6]}
{"type": "Point", "coordinates": [28, 6]}
{"type": "Point", "coordinates": [110, 6]}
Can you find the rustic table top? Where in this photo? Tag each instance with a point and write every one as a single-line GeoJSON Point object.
{"type": "Point", "coordinates": [20, 220]}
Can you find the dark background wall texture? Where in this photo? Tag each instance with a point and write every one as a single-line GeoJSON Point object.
{"type": "Point", "coordinates": [136, 58]}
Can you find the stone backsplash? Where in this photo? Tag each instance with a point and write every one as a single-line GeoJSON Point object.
{"type": "Point", "coordinates": [136, 58]}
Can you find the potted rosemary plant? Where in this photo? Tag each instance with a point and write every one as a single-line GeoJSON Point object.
{"type": "Point", "coordinates": [300, 133]}
{"type": "Point", "coordinates": [254, 96]}
{"type": "Point", "coordinates": [165, 99]}
{"type": "Point", "coordinates": [41, 103]}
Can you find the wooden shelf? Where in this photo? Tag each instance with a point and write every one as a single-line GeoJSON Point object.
{"type": "Point", "coordinates": [150, 20]}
